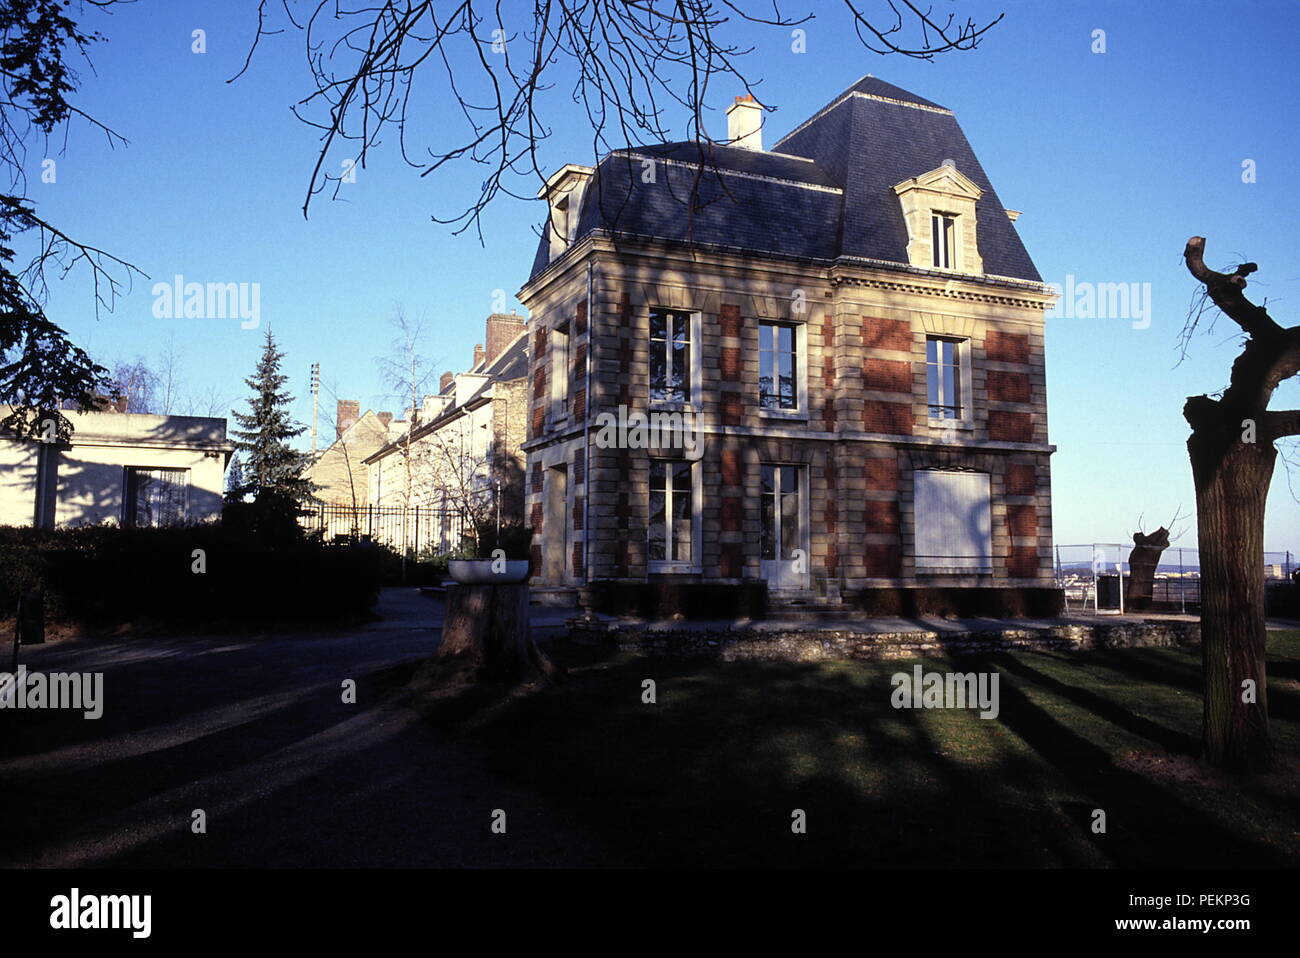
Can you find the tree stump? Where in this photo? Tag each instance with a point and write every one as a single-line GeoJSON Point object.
{"type": "Point", "coordinates": [486, 629]}
{"type": "Point", "coordinates": [1142, 564]}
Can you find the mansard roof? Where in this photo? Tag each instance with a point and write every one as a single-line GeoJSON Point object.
{"type": "Point", "coordinates": [822, 192]}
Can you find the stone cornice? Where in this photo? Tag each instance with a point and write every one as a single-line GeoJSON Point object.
{"type": "Point", "coordinates": [1006, 291]}
{"type": "Point", "coordinates": [842, 271]}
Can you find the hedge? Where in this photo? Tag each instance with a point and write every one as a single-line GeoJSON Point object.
{"type": "Point", "coordinates": [103, 575]}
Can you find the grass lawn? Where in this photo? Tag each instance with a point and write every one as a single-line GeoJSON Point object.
{"type": "Point", "coordinates": [710, 774]}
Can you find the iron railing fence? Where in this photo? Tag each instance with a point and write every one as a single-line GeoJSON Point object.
{"type": "Point", "coordinates": [1089, 572]}
{"type": "Point", "coordinates": [410, 530]}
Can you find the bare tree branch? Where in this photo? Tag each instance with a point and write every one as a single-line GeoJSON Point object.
{"type": "Point", "coordinates": [628, 64]}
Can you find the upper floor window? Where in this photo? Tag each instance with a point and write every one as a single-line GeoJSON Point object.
{"type": "Point", "coordinates": [671, 359]}
{"type": "Point", "coordinates": [778, 369]}
{"type": "Point", "coordinates": [559, 373]}
{"type": "Point", "coordinates": [943, 240]}
{"type": "Point", "coordinates": [945, 361]}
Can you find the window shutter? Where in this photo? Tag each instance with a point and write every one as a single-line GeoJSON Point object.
{"type": "Point", "coordinates": [954, 523]}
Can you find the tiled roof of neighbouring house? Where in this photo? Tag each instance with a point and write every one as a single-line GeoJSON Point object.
{"type": "Point", "coordinates": [823, 191]}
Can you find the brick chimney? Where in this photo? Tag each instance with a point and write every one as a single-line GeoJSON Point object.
{"type": "Point", "coordinates": [445, 382]}
{"type": "Point", "coordinates": [349, 411]}
{"type": "Point", "coordinates": [502, 329]}
{"type": "Point", "coordinates": [384, 417]}
{"type": "Point", "coordinates": [745, 123]}
{"type": "Point", "coordinates": [479, 355]}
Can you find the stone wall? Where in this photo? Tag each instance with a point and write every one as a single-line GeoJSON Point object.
{"type": "Point", "coordinates": [807, 643]}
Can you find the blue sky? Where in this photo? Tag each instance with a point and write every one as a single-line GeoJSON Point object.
{"type": "Point", "coordinates": [1115, 158]}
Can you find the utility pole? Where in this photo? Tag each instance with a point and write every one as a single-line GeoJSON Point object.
{"type": "Point", "coordinates": [315, 403]}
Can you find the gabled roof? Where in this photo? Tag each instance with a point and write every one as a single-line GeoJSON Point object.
{"type": "Point", "coordinates": [512, 364]}
{"type": "Point", "coordinates": [823, 192]}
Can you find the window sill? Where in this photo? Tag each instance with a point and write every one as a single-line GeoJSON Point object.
{"type": "Point", "coordinates": [672, 568]}
{"type": "Point", "coordinates": [945, 425]}
{"type": "Point", "coordinates": [794, 415]}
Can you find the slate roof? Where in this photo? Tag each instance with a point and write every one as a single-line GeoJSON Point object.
{"type": "Point", "coordinates": [511, 364]}
{"type": "Point", "coordinates": [822, 192]}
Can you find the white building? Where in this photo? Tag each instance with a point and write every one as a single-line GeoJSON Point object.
{"type": "Point", "coordinates": [119, 468]}
{"type": "Point", "coordinates": [459, 454]}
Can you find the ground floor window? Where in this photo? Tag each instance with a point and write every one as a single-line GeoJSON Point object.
{"type": "Point", "coordinates": [954, 525]}
{"type": "Point", "coordinates": [155, 497]}
{"type": "Point", "coordinates": [782, 533]}
{"type": "Point", "coordinates": [783, 545]}
{"type": "Point", "coordinates": [672, 535]}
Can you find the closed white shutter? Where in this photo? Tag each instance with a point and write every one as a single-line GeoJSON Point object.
{"type": "Point", "coordinates": [954, 522]}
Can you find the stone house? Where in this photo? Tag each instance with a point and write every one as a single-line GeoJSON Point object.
{"type": "Point", "coordinates": [461, 451]}
{"type": "Point", "coordinates": [842, 336]}
{"type": "Point", "coordinates": [119, 468]}
{"type": "Point", "coordinates": [340, 472]}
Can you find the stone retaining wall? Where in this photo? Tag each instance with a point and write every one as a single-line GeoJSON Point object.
{"type": "Point", "coordinates": [810, 644]}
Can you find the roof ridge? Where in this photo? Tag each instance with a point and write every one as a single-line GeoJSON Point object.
{"type": "Point", "coordinates": [850, 92]}
{"type": "Point", "coordinates": [744, 174]}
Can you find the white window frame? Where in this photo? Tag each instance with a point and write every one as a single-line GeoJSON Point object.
{"type": "Point", "coordinates": [938, 249]}
{"type": "Point", "coordinates": [694, 364]}
{"type": "Point", "coordinates": [800, 341]}
{"type": "Point", "coordinates": [966, 420]}
{"type": "Point", "coordinates": [780, 577]}
{"type": "Point", "coordinates": [955, 547]}
{"type": "Point", "coordinates": [697, 502]}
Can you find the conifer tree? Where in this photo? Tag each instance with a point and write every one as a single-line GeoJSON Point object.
{"type": "Point", "coordinates": [272, 469]}
{"type": "Point", "coordinates": [235, 481]}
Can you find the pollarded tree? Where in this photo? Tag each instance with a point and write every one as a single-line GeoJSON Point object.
{"type": "Point", "coordinates": [1233, 454]}
{"type": "Point", "coordinates": [272, 468]}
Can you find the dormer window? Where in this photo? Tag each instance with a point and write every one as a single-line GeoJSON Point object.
{"type": "Point", "coordinates": [939, 210]}
{"type": "Point", "coordinates": [943, 240]}
{"type": "Point", "coordinates": [563, 194]}
{"type": "Point", "coordinates": [560, 232]}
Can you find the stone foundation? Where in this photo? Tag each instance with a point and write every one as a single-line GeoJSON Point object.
{"type": "Point", "coordinates": [796, 643]}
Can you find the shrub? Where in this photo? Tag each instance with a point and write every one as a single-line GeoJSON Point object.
{"type": "Point", "coordinates": [106, 576]}
{"type": "Point", "coordinates": [513, 538]}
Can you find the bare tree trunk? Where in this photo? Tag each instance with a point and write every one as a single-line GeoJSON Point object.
{"type": "Point", "coordinates": [1232, 479]}
{"type": "Point", "coordinates": [1232, 451]}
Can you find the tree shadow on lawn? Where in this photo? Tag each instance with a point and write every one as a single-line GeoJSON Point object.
{"type": "Point", "coordinates": [711, 774]}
